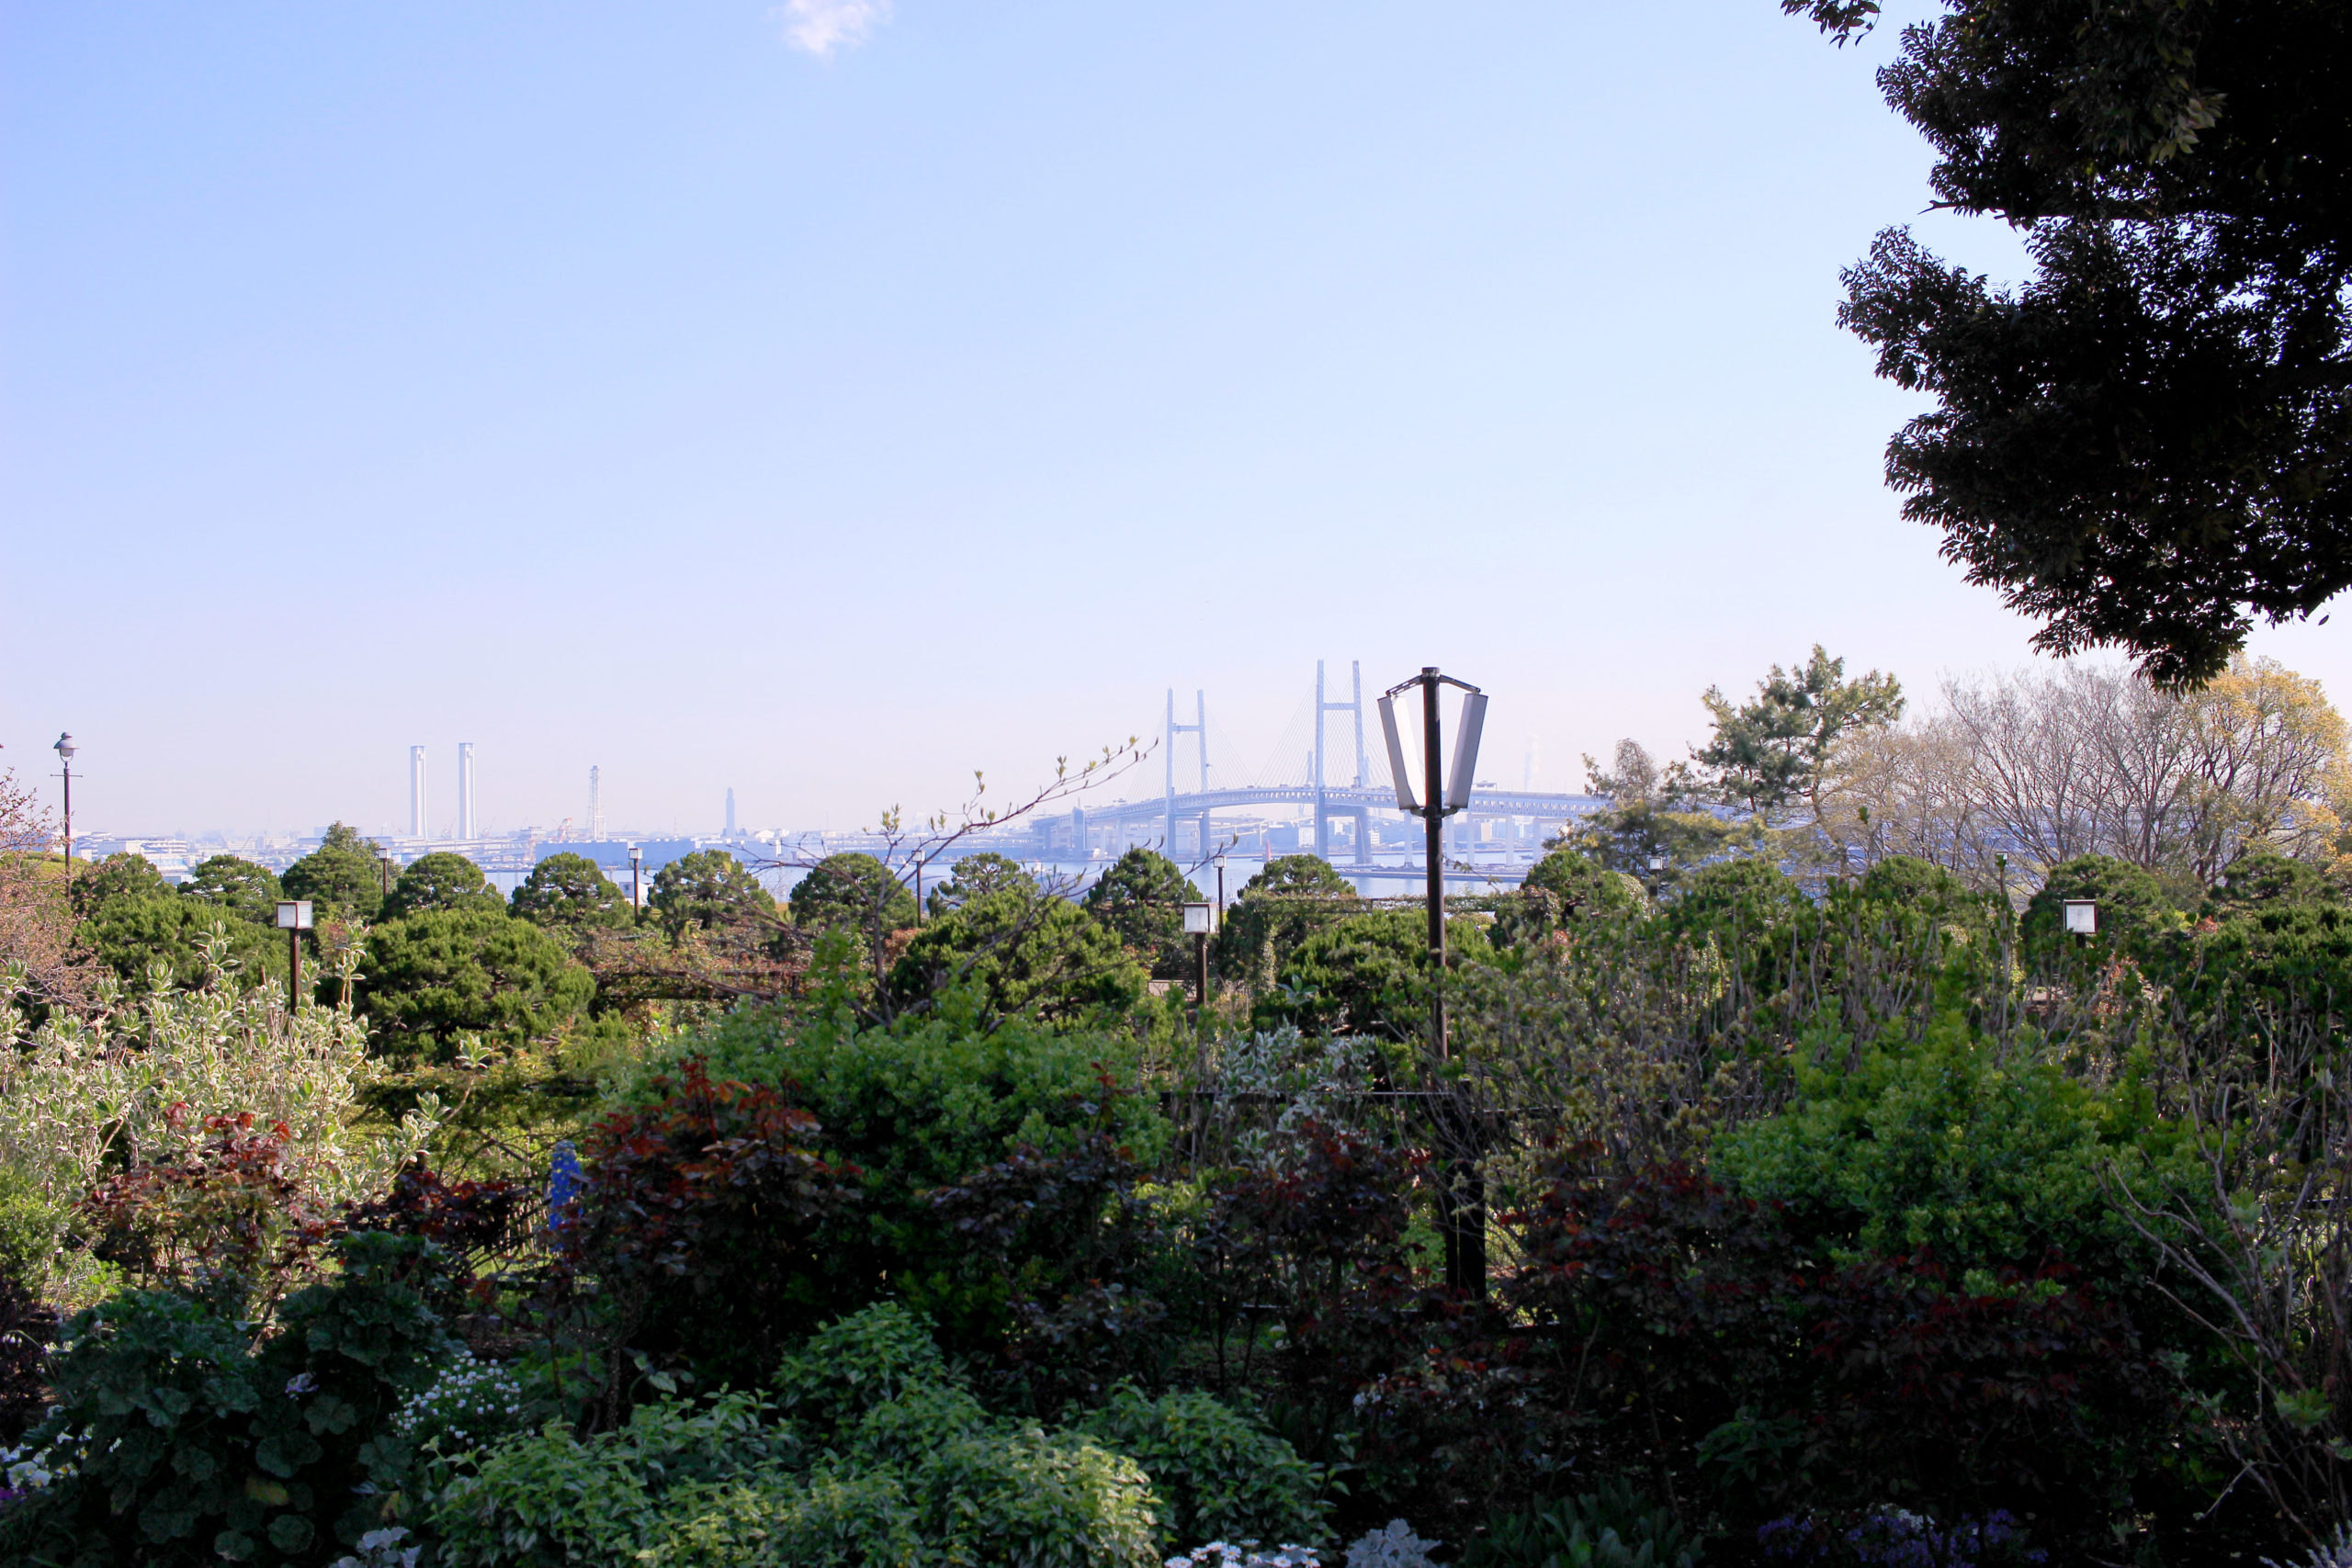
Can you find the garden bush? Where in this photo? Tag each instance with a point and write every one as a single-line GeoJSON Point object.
{"type": "Point", "coordinates": [1614, 1526]}
{"type": "Point", "coordinates": [179, 1438]}
{"type": "Point", "coordinates": [917, 1107]}
{"type": "Point", "coordinates": [1984, 1157]}
{"type": "Point", "coordinates": [868, 1453]}
{"type": "Point", "coordinates": [1365, 975]}
{"type": "Point", "coordinates": [699, 1220]}
{"type": "Point", "coordinates": [1802, 1382]}
{"type": "Point", "coordinates": [1218, 1473]}
{"type": "Point", "coordinates": [1020, 952]}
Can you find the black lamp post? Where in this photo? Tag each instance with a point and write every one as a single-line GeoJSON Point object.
{"type": "Point", "coordinates": [637, 877]}
{"type": "Point", "coordinates": [65, 749]}
{"type": "Point", "coordinates": [1196, 926]}
{"type": "Point", "coordinates": [293, 919]}
{"type": "Point", "coordinates": [1464, 1219]}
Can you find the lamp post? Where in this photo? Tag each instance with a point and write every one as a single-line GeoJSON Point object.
{"type": "Point", "coordinates": [384, 872]}
{"type": "Point", "coordinates": [1220, 887]}
{"type": "Point", "coordinates": [65, 749]}
{"type": "Point", "coordinates": [637, 878]}
{"type": "Point", "coordinates": [1196, 926]}
{"type": "Point", "coordinates": [1462, 1219]}
{"type": "Point", "coordinates": [1657, 874]}
{"type": "Point", "coordinates": [293, 919]}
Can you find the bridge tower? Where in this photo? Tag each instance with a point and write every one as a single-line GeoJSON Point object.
{"type": "Point", "coordinates": [1200, 726]}
{"type": "Point", "coordinates": [1354, 705]}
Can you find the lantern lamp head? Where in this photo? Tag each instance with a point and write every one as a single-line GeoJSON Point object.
{"type": "Point", "coordinates": [294, 914]}
{"type": "Point", "coordinates": [2082, 917]}
{"type": "Point", "coordinates": [1196, 920]}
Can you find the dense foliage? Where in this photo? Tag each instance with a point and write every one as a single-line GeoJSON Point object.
{"type": "Point", "coordinates": [2145, 445]}
{"type": "Point", "coordinates": [1772, 1216]}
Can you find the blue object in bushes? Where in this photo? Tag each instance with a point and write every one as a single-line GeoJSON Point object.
{"type": "Point", "coordinates": [563, 1182]}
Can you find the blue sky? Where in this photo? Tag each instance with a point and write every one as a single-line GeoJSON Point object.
{"type": "Point", "coordinates": [642, 385]}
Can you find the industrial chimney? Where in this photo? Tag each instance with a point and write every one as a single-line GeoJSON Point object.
{"type": "Point", "coordinates": [465, 789]}
{"type": "Point", "coordinates": [595, 806]}
{"type": "Point", "coordinates": [416, 792]}
{"type": "Point", "coordinates": [730, 811]}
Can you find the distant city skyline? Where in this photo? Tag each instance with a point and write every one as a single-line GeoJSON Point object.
{"type": "Point", "coordinates": [827, 404]}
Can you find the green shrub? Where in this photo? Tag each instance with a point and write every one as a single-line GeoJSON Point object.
{"type": "Point", "coordinates": [871, 1454]}
{"type": "Point", "coordinates": [1613, 1526]}
{"type": "Point", "coordinates": [30, 1227]}
{"type": "Point", "coordinates": [1030, 1499]}
{"type": "Point", "coordinates": [829, 1519]}
{"type": "Point", "coordinates": [1365, 975]}
{"type": "Point", "coordinates": [1019, 952]}
{"type": "Point", "coordinates": [177, 1439]}
{"type": "Point", "coordinates": [1218, 1474]}
{"type": "Point", "coordinates": [921, 1106]}
{"type": "Point", "coordinates": [1585, 887]}
{"type": "Point", "coordinates": [2134, 911]}
{"type": "Point", "coordinates": [558, 1499]}
{"type": "Point", "coordinates": [857, 1363]}
{"type": "Point", "coordinates": [1944, 1145]}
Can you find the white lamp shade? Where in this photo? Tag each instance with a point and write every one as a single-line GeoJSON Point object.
{"type": "Point", "coordinates": [2082, 917]}
{"type": "Point", "coordinates": [1467, 731]}
{"type": "Point", "coordinates": [1196, 920]}
{"type": "Point", "coordinates": [1398, 771]}
{"type": "Point", "coordinates": [294, 915]}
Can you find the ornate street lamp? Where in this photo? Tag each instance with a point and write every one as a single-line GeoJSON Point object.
{"type": "Point", "coordinates": [1461, 1217]}
{"type": "Point", "coordinates": [65, 749]}
{"type": "Point", "coordinates": [293, 919]}
{"type": "Point", "coordinates": [1196, 926]}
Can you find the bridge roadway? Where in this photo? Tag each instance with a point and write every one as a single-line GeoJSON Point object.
{"type": "Point", "coordinates": [1338, 802]}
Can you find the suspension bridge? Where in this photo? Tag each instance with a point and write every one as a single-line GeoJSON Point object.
{"type": "Point", "coordinates": [1327, 763]}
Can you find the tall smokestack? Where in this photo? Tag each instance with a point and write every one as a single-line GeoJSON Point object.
{"type": "Point", "coordinates": [595, 806]}
{"type": "Point", "coordinates": [730, 811]}
{"type": "Point", "coordinates": [465, 789]}
{"type": "Point", "coordinates": [416, 792]}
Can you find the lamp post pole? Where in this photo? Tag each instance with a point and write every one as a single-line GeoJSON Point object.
{"type": "Point", "coordinates": [1434, 853]}
{"type": "Point", "coordinates": [65, 749]}
{"type": "Point", "coordinates": [1462, 1196]}
{"type": "Point", "coordinates": [294, 919]}
{"type": "Point", "coordinates": [384, 873]}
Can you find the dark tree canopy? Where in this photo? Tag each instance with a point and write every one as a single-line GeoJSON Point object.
{"type": "Point", "coordinates": [341, 874]}
{"type": "Point", "coordinates": [441, 881]}
{"type": "Point", "coordinates": [116, 877]}
{"type": "Point", "coordinates": [439, 973]}
{"type": "Point", "coordinates": [237, 886]}
{"type": "Point", "coordinates": [1022, 953]}
{"type": "Point", "coordinates": [2133, 908]}
{"type": "Point", "coordinates": [977, 876]}
{"type": "Point", "coordinates": [132, 933]}
{"type": "Point", "coordinates": [1584, 887]}
{"type": "Point", "coordinates": [852, 890]}
{"type": "Point", "coordinates": [1276, 909]}
{"type": "Point", "coordinates": [1142, 898]}
{"type": "Point", "coordinates": [2151, 443]}
{"type": "Point", "coordinates": [1367, 973]}
{"type": "Point", "coordinates": [713, 890]}
{"type": "Point", "coordinates": [571, 892]}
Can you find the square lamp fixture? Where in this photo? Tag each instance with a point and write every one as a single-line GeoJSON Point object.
{"type": "Point", "coordinates": [1196, 920]}
{"type": "Point", "coordinates": [294, 915]}
{"type": "Point", "coordinates": [2082, 917]}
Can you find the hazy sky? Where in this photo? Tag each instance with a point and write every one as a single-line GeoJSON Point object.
{"type": "Point", "coordinates": [827, 400]}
